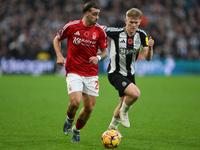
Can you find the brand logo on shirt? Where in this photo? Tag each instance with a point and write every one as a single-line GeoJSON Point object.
{"type": "Point", "coordinates": [122, 41]}
{"type": "Point", "coordinates": [77, 33]}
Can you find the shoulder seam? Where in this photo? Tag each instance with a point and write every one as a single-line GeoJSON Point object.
{"type": "Point", "coordinates": [140, 30]}
{"type": "Point", "coordinates": [71, 23]}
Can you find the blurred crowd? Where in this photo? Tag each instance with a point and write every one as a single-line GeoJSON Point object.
{"type": "Point", "coordinates": [27, 27]}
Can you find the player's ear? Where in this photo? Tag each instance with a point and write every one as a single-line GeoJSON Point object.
{"type": "Point", "coordinates": [86, 13]}
{"type": "Point", "coordinates": [139, 21]}
{"type": "Point", "coordinates": [125, 20]}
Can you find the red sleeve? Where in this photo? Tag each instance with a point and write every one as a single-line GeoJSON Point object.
{"type": "Point", "coordinates": [103, 40]}
{"type": "Point", "coordinates": [64, 32]}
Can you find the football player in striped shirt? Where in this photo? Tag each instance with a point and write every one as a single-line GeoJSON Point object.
{"type": "Point", "coordinates": [124, 50]}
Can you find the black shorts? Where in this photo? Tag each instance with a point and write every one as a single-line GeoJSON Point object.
{"type": "Point", "coordinates": [120, 82]}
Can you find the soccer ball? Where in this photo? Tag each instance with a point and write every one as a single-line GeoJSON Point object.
{"type": "Point", "coordinates": [110, 139]}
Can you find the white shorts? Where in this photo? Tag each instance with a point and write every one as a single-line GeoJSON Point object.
{"type": "Point", "coordinates": [88, 85]}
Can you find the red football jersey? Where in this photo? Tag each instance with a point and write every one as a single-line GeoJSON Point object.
{"type": "Point", "coordinates": [83, 42]}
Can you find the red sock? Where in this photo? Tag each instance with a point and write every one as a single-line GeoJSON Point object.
{"type": "Point", "coordinates": [71, 115]}
{"type": "Point", "coordinates": [80, 124]}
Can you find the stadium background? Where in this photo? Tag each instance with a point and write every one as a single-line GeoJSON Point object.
{"type": "Point", "coordinates": [33, 107]}
{"type": "Point", "coordinates": [27, 28]}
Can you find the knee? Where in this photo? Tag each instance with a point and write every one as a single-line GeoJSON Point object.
{"type": "Point", "coordinates": [74, 103]}
{"type": "Point", "coordinates": [88, 109]}
{"type": "Point", "coordinates": [132, 91]}
{"type": "Point", "coordinates": [136, 94]}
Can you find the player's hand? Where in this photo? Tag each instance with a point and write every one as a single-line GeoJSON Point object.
{"type": "Point", "coordinates": [93, 60]}
{"type": "Point", "coordinates": [151, 42]}
{"type": "Point", "coordinates": [60, 60]}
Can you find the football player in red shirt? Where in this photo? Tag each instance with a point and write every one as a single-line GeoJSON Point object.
{"type": "Point", "coordinates": [84, 37]}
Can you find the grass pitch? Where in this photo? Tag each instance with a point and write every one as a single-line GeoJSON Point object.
{"type": "Point", "coordinates": [33, 110]}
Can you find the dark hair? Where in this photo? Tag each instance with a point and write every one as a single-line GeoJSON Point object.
{"type": "Point", "coordinates": [89, 5]}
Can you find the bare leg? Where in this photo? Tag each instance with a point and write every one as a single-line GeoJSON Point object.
{"type": "Point", "coordinates": [116, 112]}
{"type": "Point", "coordinates": [116, 118]}
{"type": "Point", "coordinates": [88, 105]}
{"type": "Point", "coordinates": [132, 94]}
{"type": "Point", "coordinates": [85, 113]}
{"type": "Point", "coordinates": [75, 100]}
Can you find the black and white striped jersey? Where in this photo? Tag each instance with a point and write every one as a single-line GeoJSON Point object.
{"type": "Point", "coordinates": [124, 49]}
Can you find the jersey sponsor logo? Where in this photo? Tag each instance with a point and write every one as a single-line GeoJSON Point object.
{"type": "Point", "coordinates": [83, 42]}
{"type": "Point", "coordinates": [77, 33]}
{"type": "Point", "coordinates": [77, 41]}
{"type": "Point", "coordinates": [125, 51]}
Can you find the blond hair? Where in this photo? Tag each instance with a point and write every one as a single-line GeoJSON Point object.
{"type": "Point", "coordinates": [134, 13]}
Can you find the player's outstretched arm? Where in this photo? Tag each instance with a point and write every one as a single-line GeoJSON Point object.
{"type": "Point", "coordinates": [57, 48]}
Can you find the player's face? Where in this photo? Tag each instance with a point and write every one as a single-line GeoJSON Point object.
{"type": "Point", "coordinates": [93, 16]}
{"type": "Point", "coordinates": [131, 25]}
